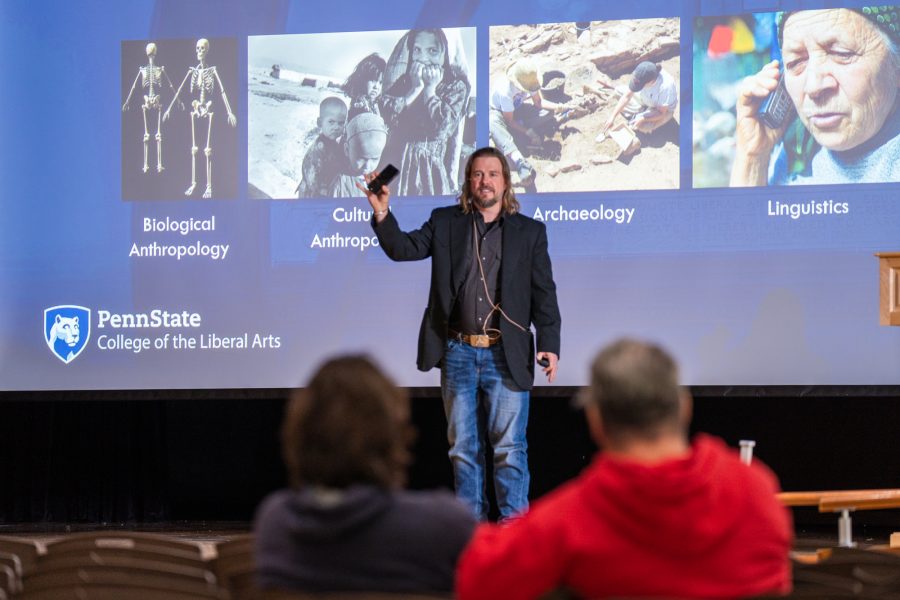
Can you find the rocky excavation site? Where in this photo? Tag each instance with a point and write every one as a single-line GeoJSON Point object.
{"type": "Point", "coordinates": [582, 64]}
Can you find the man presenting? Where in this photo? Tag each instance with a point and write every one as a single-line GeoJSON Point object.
{"type": "Point", "coordinates": [491, 280]}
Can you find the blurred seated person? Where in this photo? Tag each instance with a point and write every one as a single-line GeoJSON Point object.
{"type": "Point", "coordinates": [346, 524]}
{"type": "Point", "coordinates": [649, 101]}
{"type": "Point", "coordinates": [841, 70]}
{"type": "Point", "coordinates": [654, 515]}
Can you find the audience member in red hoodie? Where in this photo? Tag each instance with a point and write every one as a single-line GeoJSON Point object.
{"type": "Point", "coordinates": [654, 515]}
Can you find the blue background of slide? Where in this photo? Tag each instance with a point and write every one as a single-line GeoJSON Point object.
{"type": "Point", "coordinates": [740, 297]}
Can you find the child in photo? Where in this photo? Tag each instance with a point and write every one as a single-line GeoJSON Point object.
{"type": "Point", "coordinates": [322, 160]}
{"type": "Point", "coordinates": [424, 108]}
{"type": "Point", "coordinates": [364, 85]}
{"type": "Point", "coordinates": [364, 140]}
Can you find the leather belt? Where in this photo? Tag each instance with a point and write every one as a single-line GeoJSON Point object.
{"type": "Point", "coordinates": [476, 340]}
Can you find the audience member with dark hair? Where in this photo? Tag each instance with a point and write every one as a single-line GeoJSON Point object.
{"type": "Point", "coordinates": [654, 515]}
{"type": "Point", "coordinates": [346, 524]}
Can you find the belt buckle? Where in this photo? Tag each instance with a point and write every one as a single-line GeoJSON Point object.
{"type": "Point", "coordinates": [480, 341]}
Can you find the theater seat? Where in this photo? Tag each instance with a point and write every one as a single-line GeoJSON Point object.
{"type": "Point", "coordinates": [27, 552]}
{"type": "Point", "coordinates": [235, 565]}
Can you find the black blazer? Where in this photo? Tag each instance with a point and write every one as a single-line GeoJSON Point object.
{"type": "Point", "coordinates": [527, 291]}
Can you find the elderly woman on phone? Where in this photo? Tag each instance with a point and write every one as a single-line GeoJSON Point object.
{"type": "Point", "coordinates": [841, 72]}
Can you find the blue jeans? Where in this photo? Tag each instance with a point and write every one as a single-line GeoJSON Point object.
{"type": "Point", "coordinates": [481, 400]}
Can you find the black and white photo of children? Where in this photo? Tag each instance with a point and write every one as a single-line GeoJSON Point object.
{"type": "Point", "coordinates": [415, 92]}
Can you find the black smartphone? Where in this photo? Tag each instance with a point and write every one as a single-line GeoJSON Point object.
{"type": "Point", "coordinates": [777, 107]}
{"type": "Point", "coordinates": [387, 174]}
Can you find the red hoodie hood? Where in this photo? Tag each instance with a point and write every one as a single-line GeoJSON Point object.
{"type": "Point", "coordinates": [661, 496]}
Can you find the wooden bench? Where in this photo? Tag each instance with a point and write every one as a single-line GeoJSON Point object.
{"type": "Point", "coordinates": [845, 502]}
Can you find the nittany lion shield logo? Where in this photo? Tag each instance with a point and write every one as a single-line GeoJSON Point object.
{"type": "Point", "coordinates": [67, 329]}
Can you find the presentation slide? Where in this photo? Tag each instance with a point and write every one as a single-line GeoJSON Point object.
{"type": "Point", "coordinates": [179, 206]}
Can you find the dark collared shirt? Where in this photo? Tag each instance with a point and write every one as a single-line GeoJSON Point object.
{"type": "Point", "coordinates": [472, 306]}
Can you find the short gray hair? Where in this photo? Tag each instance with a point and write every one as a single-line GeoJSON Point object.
{"type": "Point", "coordinates": [634, 385]}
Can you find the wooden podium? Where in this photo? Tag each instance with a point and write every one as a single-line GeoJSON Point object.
{"type": "Point", "coordinates": [889, 286]}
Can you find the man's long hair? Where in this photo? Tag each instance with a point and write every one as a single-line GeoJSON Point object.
{"type": "Point", "coordinates": [509, 204]}
{"type": "Point", "coordinates": [349, 425]}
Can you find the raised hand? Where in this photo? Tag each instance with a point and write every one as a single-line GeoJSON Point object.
{"type": "Point", "coordinates": [378, 201]}
{"type": "Point", "coordinates": [753, 140]}
{"type": "Point", "coordinates": [416, 73]}
{"type": "Point", "coordinates": [431, 76]}
{"type": "Point", "coordinates": [751, 135]}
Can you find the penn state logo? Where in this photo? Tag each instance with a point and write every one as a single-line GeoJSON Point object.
{"type": "Point", "coordinates": [67, 329]}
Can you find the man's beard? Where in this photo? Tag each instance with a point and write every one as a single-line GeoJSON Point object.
{"type": "Point", "coordinates": [479, 203]}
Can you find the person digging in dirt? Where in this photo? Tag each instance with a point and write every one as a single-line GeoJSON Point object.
{"type": "Point", "coordinates": [649, 101]}
{"type": "Point", "coordinates": [520, 115]}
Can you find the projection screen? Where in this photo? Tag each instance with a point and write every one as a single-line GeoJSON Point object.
{"type": "Point", "coordinates": [179, 208]}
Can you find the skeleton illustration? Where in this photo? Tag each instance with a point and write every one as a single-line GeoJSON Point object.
{"type": "Point", "coordinates": [151, 77]}
{"type": "Point", "coordinates": [203, 81]}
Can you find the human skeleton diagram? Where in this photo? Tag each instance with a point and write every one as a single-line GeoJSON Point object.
{"type": "Point", "coordinates": [203, 82]}
{"type": "Point", "coordinates": [151, 77]}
